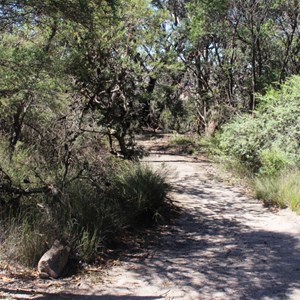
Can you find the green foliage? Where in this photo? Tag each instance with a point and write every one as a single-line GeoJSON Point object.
{"type": "Point", "coordinates": [201, 15]}
{"type": "Point", "coordinates": [181, 140]}
{"type": "Point", "coordinates": [211, 145]}
{"type": "Point", "coordinates": [268, 144]}
{"type": "Point", "coordinates": [272, 161]}
{"type": "Point", "coordinates": [27, 236]}
{"type": "Point", "coordinates": [289, 189]}
{"type": "Point", "coordinates": [87, 212]}
{"type": "Point", "coordinates": [72, 75]}
{"type": "Point", "coordinates": [269, 140]}
{"type": "Point", "coordinates": [185, 144]}
{"type": "Point", "coordinates": [87, 245]}
{"type": "Point", "coordinates": [177, 115]}
{"type": "Point", "coordinates": [139, 191]}
{"type": "Point", "coordinates": [235, 50]}
{"type": "Point", "coordinates": [242, 139]}
{"type": "Point", "coordinates": [282, 189]}
{"type": "Point", "coordinates": [266, 189]}
{"type": "Point", "coordinates": [76, 72]}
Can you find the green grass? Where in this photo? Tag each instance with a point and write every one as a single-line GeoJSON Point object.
{"type": "Point", "coordinates": [181, 140]}
{"type": "Point", "coordinates": [25, 240]}
{"type": "Point", "coordinates": [211, 146]}
{"type": "Point", "coordinates": [274, 180]}
{"type": "Point", "coordinates": [282, 190]}
{"type": "Point", "coordinates": [140, 190]}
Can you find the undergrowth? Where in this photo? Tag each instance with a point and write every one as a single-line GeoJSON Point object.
{"type": "Point", "coordinates": [282, 189]}
{"type": "Point", "coordinates": [90, 211]}
{"type": "Point", "coordinates": [265, 145]}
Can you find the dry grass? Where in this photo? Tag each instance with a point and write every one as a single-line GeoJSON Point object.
{"type": "Point", "coordinates": [89, 212]}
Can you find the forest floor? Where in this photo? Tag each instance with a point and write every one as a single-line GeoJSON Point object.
{"type": "Point", "coordinates": [223, 244]}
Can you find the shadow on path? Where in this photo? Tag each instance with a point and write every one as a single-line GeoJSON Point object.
{"type": "Point", "coordinates": [66, 296]}
{"type": "Point", "coordinates": [225, 256]}
{"type": "Point", "coordinates": [212, 248]}
{"type": "Point", "coordinates": [222, 246]}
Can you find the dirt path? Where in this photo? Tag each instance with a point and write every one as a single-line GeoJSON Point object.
{"type": "Point", "coordinates": [224, 245]}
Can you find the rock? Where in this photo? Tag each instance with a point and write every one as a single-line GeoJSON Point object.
{"type": "Point", "coordinates": [53, 262]}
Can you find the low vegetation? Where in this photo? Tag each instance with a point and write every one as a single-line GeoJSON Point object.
{"type": "Point", "coordinates": [80, 79]}
{"type": "Point", "coordinates": [282, 189]}
{"type": "Point", "coordinates": [267, 145]}
{"type": "Point", "coordinates": [92, 210]}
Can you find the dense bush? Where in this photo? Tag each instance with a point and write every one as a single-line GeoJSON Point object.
{"type": "Point", "coordinates": [269, 140]}
{"type": "Point", "coordinates": [268, 144]}
{"type": "Point", "coordinates": [94, 208]}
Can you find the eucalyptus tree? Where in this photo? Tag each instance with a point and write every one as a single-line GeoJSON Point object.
{"type": "Point", "coordinates": [71, 73]}
{"type": "Point", "coordinates": [233, 50]}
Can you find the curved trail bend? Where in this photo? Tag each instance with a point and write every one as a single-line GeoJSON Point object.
{"type": "Point", "coordinates": [224, 245]}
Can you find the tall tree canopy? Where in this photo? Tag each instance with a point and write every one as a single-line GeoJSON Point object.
{"type": "Point", "coordinates": [77, 70]}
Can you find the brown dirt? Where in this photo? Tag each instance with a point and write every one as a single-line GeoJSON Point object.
{"type": "Point", "coordinates": [223, 245]}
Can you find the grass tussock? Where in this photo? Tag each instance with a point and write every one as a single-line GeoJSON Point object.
{"type": "Point", "coordinates": [91, 210]}
{"type": "Point", "coordinates": [140, 191]}
{"type": "Point", "coordinates": [282, 189]}
{"type": "Point", "coordinates": [24, 243]}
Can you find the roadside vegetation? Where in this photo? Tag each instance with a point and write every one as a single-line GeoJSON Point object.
{"type": "Point", "coordinates": [80, 79]}
{"type": "Point", "coordinates": [88, 212]}
{"type": "Point", "coordinates": [266, 144]}
{"type": "Point", "coordinates": [185, 144]}
{"type": "Point", "coordinates": [261, 148]}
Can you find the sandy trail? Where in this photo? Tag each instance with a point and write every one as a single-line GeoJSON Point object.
{"type": "Point", "coordinates": [224, 245]}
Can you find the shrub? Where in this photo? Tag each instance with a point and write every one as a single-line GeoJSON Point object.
{"type": "Point", "coordinates": [185, 144]}
{"type": "Point", "coordinates": [92, 208]}
{"type": "Point", "coordinates": [268, 144]}
{"type": "Point", "coordinates": [272, 161]}
{"type": "Point", "coordinates": [211, 144]}
{"type": "Point", "coordinates": [241, 139]}
{"type": "Point", "coordinates": [181, 140]}
{"type": "Point", "coordinates": [139, 190]}
{"type": "Point", "coordinates": [256, 140]}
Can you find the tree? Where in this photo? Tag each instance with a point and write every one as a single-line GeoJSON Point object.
{"type": "Point", "coordinates": [234, 50]}
{"type": "Point", "coordinates": [73, 71]}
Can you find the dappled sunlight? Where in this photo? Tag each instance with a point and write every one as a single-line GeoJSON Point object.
{"type": "Point", "coordinates": [223, 245]}
{"type": "Point", "coordinates": [218, 247]}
